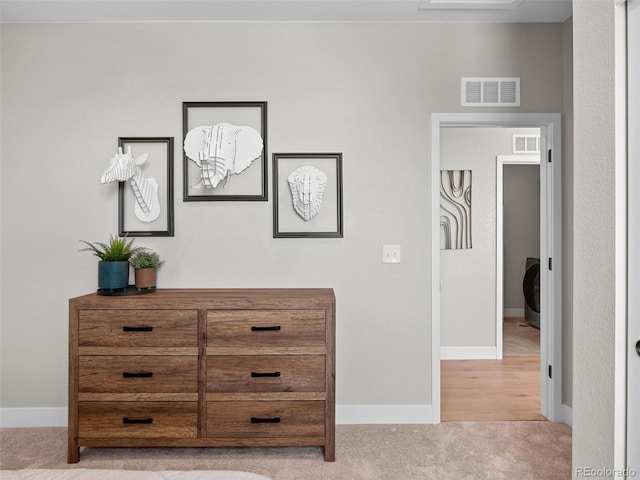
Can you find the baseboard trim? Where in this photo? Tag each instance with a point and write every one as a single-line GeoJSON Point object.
{"type": "Point", "coordinates": [513, 312]}
{"type": "Point", "coordinates": [567, 415]}
{"type": "Point", "coordinates": [468, 353]}
{"type": "Point", "coordinates": [33, 417]}
{"type": "Point", "coordinates": [345, 415]}
{"type": "Point", "coordinates": [383, 414]}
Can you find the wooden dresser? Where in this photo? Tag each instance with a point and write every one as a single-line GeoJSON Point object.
{"type": "Point", "coordinates": [203, 367]}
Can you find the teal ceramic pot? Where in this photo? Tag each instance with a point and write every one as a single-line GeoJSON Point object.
{"type": "Point", "coordinates": [113, 275]}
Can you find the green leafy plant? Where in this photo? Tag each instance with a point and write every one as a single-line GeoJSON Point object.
{"type": "Point", "coordinates": [119, 249]}
{"type": "Point", "coordinates": [145, 258]}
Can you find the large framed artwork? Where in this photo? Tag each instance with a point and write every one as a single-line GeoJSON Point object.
{"type": "Point", "coordinates": [307, 195]}
{"type": "Point", "coordinates": [224, 148]}
{"type": "Point", "coordinates": [143, 167]}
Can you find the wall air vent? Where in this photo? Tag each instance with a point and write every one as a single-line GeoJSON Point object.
{"type": "Point", "coordinates": [490, 91]}
{"type": "Point", "coordinates": [469, 4]}
{"type": "Point", "coordinates": [526, 143]}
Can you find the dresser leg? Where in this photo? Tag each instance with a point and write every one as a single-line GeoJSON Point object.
{"type": "Point", "coordinates": [73, 452]}
{"type": "Point", "coordinates": [330, 453]}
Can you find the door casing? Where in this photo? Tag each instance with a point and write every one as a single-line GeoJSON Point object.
{"type": "Point", "coordinates": [632, 314]}
{"type": "Point", "coordinates": [550, 248]}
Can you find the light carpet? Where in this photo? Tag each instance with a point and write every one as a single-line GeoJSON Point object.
{"type": "Point", "coordinates": [91, 474]}
{"type": "Point", "coordinates": [452, 450]}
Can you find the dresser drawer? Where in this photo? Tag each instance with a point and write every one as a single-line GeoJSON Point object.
{"type": "Point", "coordinates": [138, 419]}
{"type": "Point", "coordinates": [138, 373]}
{"type": "Point", "coordinates": [266, 328]}
{"type": "Point", "coordinates": [262, 419]}
{"type": "Point", "coordinates": [138, 328]}
{"type": "Point", "coordinates": [265, 373]}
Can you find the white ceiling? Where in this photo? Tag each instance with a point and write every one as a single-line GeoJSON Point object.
{"type": "Point", "coordinates": [19, 11]}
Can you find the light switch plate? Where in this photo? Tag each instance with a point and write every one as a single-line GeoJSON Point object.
{"type": "Point", "coordinates": [391, 254]}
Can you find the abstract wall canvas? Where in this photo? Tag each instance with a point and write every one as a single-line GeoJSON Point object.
{"type": "Point", "coordinates": [455, 209]}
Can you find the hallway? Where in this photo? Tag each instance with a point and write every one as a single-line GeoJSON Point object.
{"type": "Point", "coordinates": [492, 390]}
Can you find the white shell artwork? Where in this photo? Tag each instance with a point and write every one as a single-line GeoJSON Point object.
{"type": "Point", "coordinates": [307, 186]}
{"type": "Point", "coordinates": [125, 168]}
{"type": "Point", "coordinates": [221, 150]}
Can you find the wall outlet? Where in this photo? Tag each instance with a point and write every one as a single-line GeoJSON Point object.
{"type": "Point", "coordinates": [391, 254]}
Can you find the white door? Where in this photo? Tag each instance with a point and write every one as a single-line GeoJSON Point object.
{"type": "Point", "coordinates": [633, 209]}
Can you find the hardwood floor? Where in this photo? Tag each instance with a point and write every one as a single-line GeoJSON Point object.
{"type": "Point", "coordinates": [519, 338]}
{"type": "Point", "coordinates": [494, 390]}
{"type": "Point", "coordinates": [491, 390]}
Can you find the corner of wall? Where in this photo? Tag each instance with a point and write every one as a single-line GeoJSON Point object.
{"type": "Point", "coordinates": [567, 211]}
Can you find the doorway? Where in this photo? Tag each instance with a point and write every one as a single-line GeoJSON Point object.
{"type": "Point", "coordinates": [550, 249]}
{"type": "Point", "coordinates": [483, 309]}
{"type": "Point", "coordinates": [518, 254]}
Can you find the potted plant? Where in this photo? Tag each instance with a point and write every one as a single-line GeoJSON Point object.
{"type": "Point", "coordinates": [145, 262]}
{"type": "Point", "coordinates": [113, 267]}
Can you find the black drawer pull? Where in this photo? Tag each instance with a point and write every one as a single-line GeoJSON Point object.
{"type": "Point", "coordinates": [265, 420]}
{"type": "Point", "coordinates": [260, 375]}
{"type": "Point", "coordinates": [130, 421]}
{"type": "Point", "coordinates": [266, 329]}
{"type": "Point", "coordinates": [137, 375]}
{"type": "Point", "coordinates": [137, 329]}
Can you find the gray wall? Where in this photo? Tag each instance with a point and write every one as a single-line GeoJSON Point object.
{"type": "Point", "coordinates": [366, 90]}
{"type": "Point", "coordinates": [521, 223]}
{"type": "Point", "coordinates": [594, 270]}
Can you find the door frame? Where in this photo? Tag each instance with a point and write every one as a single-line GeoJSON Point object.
{"type": "Point", "coordinates": [629, 257]}
{"type": "Point", "coordinates": [550, 248]}
{"type": "Point", "coordinates": [501, 161]}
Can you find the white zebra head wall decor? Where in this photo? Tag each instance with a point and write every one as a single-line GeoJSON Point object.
{"type": "Point", "coordinates": [221, 150]}
{"type": "Point", "coordinates": [307, 186]}
{"type": "Point", "coordinates": [125, 168]}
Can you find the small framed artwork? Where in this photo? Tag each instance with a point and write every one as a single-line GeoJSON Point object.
{"type": "Point", "coordinates": [307, 195]}
{"type": "Point", "coordinates": [455, 209]}
{"type": "Point", "coordinates": [145, 198]}
{"type": "Point", "coordinates": [224, 149]}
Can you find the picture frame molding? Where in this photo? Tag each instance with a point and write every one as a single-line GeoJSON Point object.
{"type": "Point", "coordinates": [338, 233]}
{"type": "Point", "coordinates": [169, 208]}
{"type": "Point", "coordinates": [264, 195]}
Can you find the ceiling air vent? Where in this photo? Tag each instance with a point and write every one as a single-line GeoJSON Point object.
{"type": "Point", "coordinates": [490, 91]}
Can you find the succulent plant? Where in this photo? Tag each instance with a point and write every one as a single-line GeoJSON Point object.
{"type": "Point", "coordinates": [145, 258]}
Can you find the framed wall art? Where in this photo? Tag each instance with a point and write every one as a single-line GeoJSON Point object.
{"type": "Point", "coordinates": [455, 209]}
{"type": "Point", "coordinates": [307, 195]}
{"type": "Point", "coordinates": [143, 167]}
{"type": "Point", "coordinates": [224, 148]}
